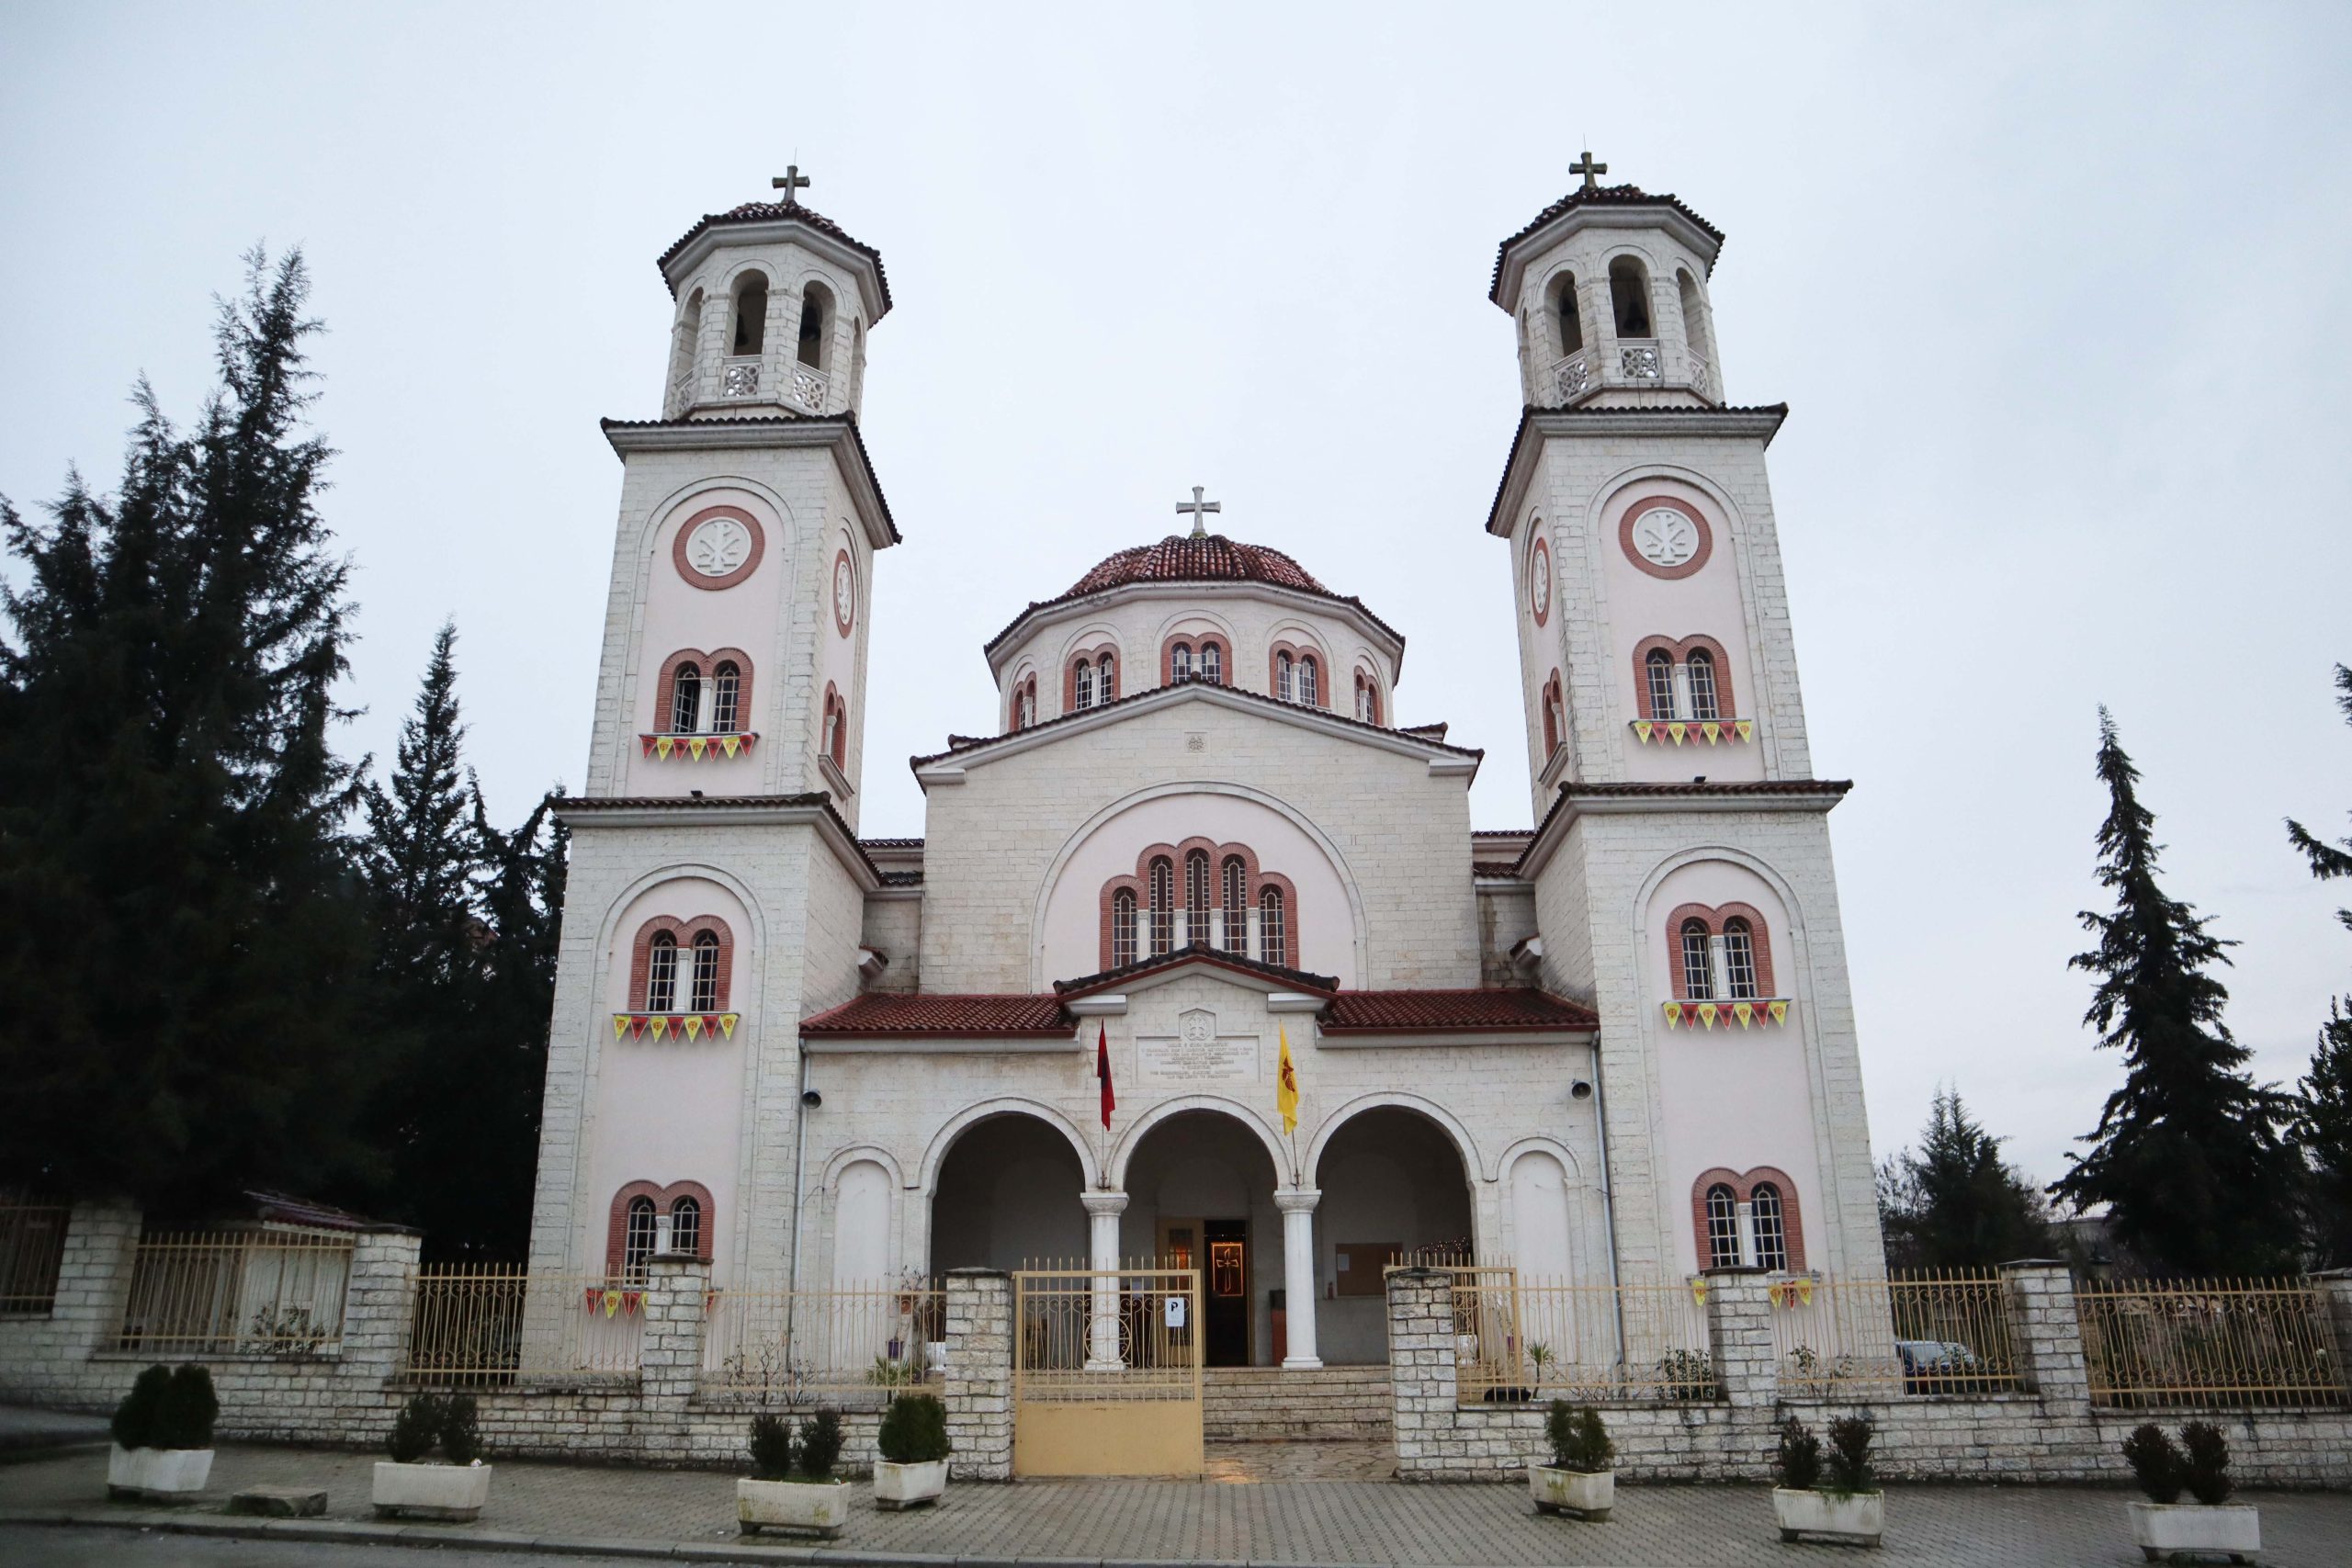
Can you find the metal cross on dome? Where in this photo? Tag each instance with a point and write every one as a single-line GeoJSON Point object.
{"type": "Point", "coordinates": [791, 182]}
{"type": "Point", "coordinates": [1587, 168]}
{"type": "Point", "coordinates": [1196, 506]}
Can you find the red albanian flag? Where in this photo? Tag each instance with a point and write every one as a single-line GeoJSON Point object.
{"type": "Point", "coordinates": [1103, 1071]}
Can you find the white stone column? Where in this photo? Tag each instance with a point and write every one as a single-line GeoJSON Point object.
{"type": "Point", "coordinates": [1297, 1204]}
{"type": "Point", "coordinates": [1102, 1211]}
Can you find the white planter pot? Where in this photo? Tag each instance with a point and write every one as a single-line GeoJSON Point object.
{"type": "Point", "coordinates": [454, 1494]}
{"type": "Point", "coordinates": [1860, 1515]}
{"type": "Point", "coordinates": [906, 1485]}
{"type": "Point", "coordinates": [1572, 1491]}
{"type": "Point", "coordinates": [2161, 1528]}
{"type": "Point", "coordinates": [157, 1475]}
{"type": "Point", "coordinates": [819, 1506]}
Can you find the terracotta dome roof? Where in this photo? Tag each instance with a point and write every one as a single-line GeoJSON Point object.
{"type": "Point", "coordinates": [1183, 557]}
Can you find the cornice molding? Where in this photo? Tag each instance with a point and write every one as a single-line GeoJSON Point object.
{"type": "Point", "coordinates": [1537, 425]}
{"type": "Point", "coordinates": [589, 815]}
{"type": "Point", "coordinates": [838, 434]}
{"type": "Point", "coordinates": [1382, 637]}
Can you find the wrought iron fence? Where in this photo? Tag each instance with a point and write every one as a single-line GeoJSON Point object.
{"type": "Point", "coordinates": [32, 1244]}
{"type": "Point", "coordinates": [2148, 1344]}
{"type": "Point", "coordinates": [1132, 1333]}
{"type": "Point", "coordinates": [1519, 1338]}
{"type": "Point", "coordinates": [1932, 1332]}
{"type": "Point", "coordinates": [236, 1293]}
{"type": "Point", "coordinates": [487, 1326]}
{"type": "Point", "coordinates": [836, 1346]}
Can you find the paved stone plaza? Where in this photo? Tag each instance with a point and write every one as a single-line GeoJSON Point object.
{"type": "Point", "coordinates": [1236, 1520]}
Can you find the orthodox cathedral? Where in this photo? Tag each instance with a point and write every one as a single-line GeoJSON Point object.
{"type": "Point", "coordinates": [1192, 862]}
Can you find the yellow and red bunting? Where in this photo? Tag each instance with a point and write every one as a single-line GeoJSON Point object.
{"type": "Point", "coordinates": [669, 1025]}
{"type": "Point", "coordinates": [1713, 731]}
{"type": "Point", "coordinates": [695, 748]}
{"type": "Point", "coordinates": [1791, 1293]}
{"type": "Point", "coordinates": [1706, 1015]}
{"type": "Point", "coordinates": [1699, 1291]}
{"type": "Point", "coordinates": [612, 1303]}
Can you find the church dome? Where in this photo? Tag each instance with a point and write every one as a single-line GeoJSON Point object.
{"type": "Point", "coordinates": [1202, 558]}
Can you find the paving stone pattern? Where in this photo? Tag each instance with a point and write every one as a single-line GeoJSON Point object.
{"type": "Point", "coordinates": [1307, 1521]}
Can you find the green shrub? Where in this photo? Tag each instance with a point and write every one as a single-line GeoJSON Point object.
{"type": "Point", "coordinates": [461, 1429]}
{"type": "Point", "coordinates": [415, 1429]}
{"type": "Point", "coordinates": [1579, 1441]}
{"type": "Point", "coordinates": [184, 1415]}
{"type": "Point", "coordinates": [2155, 1462]}
{"type": "Point", "coordinates": [914, 1430]}
{"type": "Point", "coordinates": [821, 1444]}
{"type": "Point", "coordinates": [1850, 1456]}
{"type": "Point", "coordinates": [1798, 1463]}
{"type": "Point", "coordinates": [134, 1418]}
{"type": "Point", "coordinates": [2206, 1470]}
{"type": "Point", "coordinates": [771, 1447]}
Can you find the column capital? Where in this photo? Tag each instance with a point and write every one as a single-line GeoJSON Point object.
{"type": "Point", "coordinates": [1298, 1199]}
{"type": "Point", "coordinates": [1102, 1204]}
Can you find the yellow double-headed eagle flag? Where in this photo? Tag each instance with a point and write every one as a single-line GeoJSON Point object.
{"type": "Point", "coordinates": [1286, 1084]}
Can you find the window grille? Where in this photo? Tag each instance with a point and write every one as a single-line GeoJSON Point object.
{"type": "Point", "coordinates": [662, 973]}
{"type": "Point", "coordinates": [1180, 662]}
{"type": "Point", "coordinates": [686, 699]}
{"type": "Point", "coordinates": [1196, 899]}
{"type": "Point", "coordinates": [685, 1227]}
{"type": "Point", "coordinates": [705, 988]}
{"type": "Point", "coordinates": [1106, 680]}
{"type": "Point", "coordinates": [1771, 1230]}
{"type": "Point", "coordinates": [1722, 1227]}
{"type": "Point", "coordinates": [1123, 929]}
{"type": "Point", "coordinates": [725, 684]}
{"type": "Point", "coordinates": [1163, 904]}
{"type": "Point", "coordinates": [1236, 905]}
{"type": "Point", "coordinates": [1083, 697]}
{"type": "Point", "coordinates": [1698, 973]}
{"type": "Point", "coordinates": [637, 1240]}
{"type": "Point", "coordinates": [1307, 679]}
{"type": "Point", "coordinates": [1282, 683]}
{"type": "Point", "coordinates": [1702, 670]}
{"type": "Point", "coordinates": [1274, 942]}
{"type": "Point", "coordinates": [1212, 665]}
{"type": "Point", "coordinates": [1660, 664]}
{"type": "Point", "coordinates": [1740, 960]}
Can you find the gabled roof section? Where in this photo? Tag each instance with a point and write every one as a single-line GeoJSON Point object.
{"type": "Point", "coordinates": [626, 436]}
{"type": "Point", "coordinates": [829, 237]}
{"type": "Point", "coordinates": [1605, 202]}
{"type": "Point", "coordinates": [1760, 421]}
{"type": "Point", "coordinates": [1196, 956]}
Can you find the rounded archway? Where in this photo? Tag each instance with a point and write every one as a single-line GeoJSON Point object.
{"type": "Point", "coordinates": [1007, 1197]}
{"type": "Point", "coordinates": [1393, 1182]}
{"type": "Point", "coordinates": [1200, 1192]}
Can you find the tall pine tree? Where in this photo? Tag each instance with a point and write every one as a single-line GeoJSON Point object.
{"type": "Point", "coordinates": [2323, 1108]}
{"type": "Point", "coordinates": [179, 923]}
{"type": "Point", "coordinates": [2187, 1155]}
{"type": "Point", "coordinates": [1955, 1203]}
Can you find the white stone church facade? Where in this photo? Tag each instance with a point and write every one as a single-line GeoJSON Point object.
{"type": "Point", "coordinates": [1616, 1046]}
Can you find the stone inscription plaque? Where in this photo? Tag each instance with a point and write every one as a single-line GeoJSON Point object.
{"type": "Point", "coordinates": [1185, 1059]}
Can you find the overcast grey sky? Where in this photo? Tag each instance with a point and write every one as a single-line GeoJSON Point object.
{"type": "Point", "coordinates": [2057, 294]}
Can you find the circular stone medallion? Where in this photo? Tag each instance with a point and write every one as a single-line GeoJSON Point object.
{"type": "Point", "coordinates": [718, 546]}
{"type": "Point", "coordinates": [1666, 537]}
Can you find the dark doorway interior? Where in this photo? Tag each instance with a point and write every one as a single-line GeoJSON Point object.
{"type": "Point", "coordinates": [1225, 1287]}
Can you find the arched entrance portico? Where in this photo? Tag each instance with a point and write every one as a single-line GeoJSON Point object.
{"type": "Point", "coordinates": [1393, 1181]}
{"type": "Point", "coordinates": [1007, 1197]}
{"type": "Point", "coordinates": [1200, 1194]}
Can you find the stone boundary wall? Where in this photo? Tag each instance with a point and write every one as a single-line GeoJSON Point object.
{"type": "Point", "coordinates": [347, 1399]}
{"type": "Point", "coordinates": [2051, 1432]}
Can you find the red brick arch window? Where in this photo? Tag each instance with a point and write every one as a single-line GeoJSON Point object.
{"type": "Point", "coordinates": [703, 692]}
{"type": "Point", "coordinates": [1198, 893]}
{"type": "Point", "coordinates": [1774, 1238]}
{"type": "Point", "coordinates": [1196, 656]}
{"type": "Point", "coordinates": [1556, 715]}
{"type": "Point", "coordinates": [1297, 672]}
{"type": "Point", "coordinates": [681, 965]}
{"type": "Point", "coordinates": [1023, 709]}
{"type": "Point", "coordinates": [1704, 690]}
{"type": "Point", "coordinates": [834, 738]}
{"type": "Point", "coordinates": [1722, 953]}
{"type": "Point", "coordinates": [1367, 708]}
{"type": "Point", "coordinates": [1091, 679]}
{"type": "Point", "coordinates": [635, 1226]}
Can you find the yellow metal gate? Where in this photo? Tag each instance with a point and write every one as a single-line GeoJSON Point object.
{"type": "Point", "coordinates": [1106, 1371]}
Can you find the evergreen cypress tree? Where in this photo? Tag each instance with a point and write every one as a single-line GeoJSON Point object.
{"type": "Point", "coordinates": [179, 919]}
{"type": "Point", "coordinates": [2324, 1110]}
{"type": "Point", "coordinates": [1955, 1203]}
{"type": "Point", "coordinates": [2186, 1154]}
{"type": "Point", "coordinates": [423, 856]}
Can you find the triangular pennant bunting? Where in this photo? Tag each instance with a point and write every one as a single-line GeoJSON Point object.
{"type": "Point", "coordinates": [1643, 728]}
{"type": "Point", "coordinates": [1712, 731]}
{"type": "Point", "coordinates": [1673, 1014]}
{"type": "Point", "coordinates": [726, 1025]}
{"type": "Point", "coordinates": [1746, 727]}
{"type": "Point", "coordinates": [1743, 1012]}
{"type": "Point", "coordinates": [645, 745]}
{"type": "Point", "coordinates": [693, 1026]}
{"type": "Point", "coordinates": [730, 743]}
{"type": "Point", "coordinates": [663, 746]}
{"type": "Point", "coordinates": [1677, 729]}
{"type": "Point", "coordinates": [1780, 1012]}
{"type": "Point", "coordinates": [661, 1026]}
{"type": "Point", "coordinates": [1699, 1291]}
{"type": "Point", "coordinates": [620, 1024]}
{"type": "Point", "coordinates": [1707, 1014]}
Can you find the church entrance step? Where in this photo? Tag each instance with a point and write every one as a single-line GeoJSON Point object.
{"type": "Point", "coordinates": [1266, 1404]}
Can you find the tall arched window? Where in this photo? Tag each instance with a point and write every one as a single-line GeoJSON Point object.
{"type": "Point", "coordinates": [1367, 699]}
{"type": "Point", "coordinates": [1235, 904]}
{"type": "Point", "coordinates": [637, 1240]}
{"type": "Point", "coordinates": [1273, 935]}
{"type": "Point", "coordinates": [1740, 960]}
{"type": "Point", "coordinates": [1771, 1227]}
{"type": "Point", "coordinates": [1123, 929]}
{"type": "Point", "coordinates": [1164, 905]}
{"type": "Point", "coordinates": [1196, 898]}
{"type": "Point", "coordinates": [686, 700]}
{"type": "Point", "coordinates": [1180, 662]}
{"type": "Point", "coordinates": [1564, 313]}
{"type": "Point", "coordinates": [1697, 972]}
{"type": "Point", "coordinates": [662, 973]}
{"type": "Point", "coordinates": [815, 325]}
{"type": "Point", "coordinates": [1082, 690]}
{"type": "Point", "coordinates": [704, 995]}
{"type": "Point", "coordinates": [1285, 682]}
{"type": "Point", "coordinates": [1695, 318]}
{"type": "Point", "coordinates": [751, 333]}
{"type": "Point", "coordinates": [1629, 296]}
{"type": "Point", "coordinates": [1722, 1227]}
{"type": "Point", "coordinates": [1212, 665]}
{"type": "Point", "coordinates": [726, 690]}
{"type": "Point", "coordinates": [1307, 687]}
{"type": "Point", "coordinates": [1702, 670]}
{"type": "Point", "coordinates": [685, 345]}
{"type": "Point", "coordinates": [685, 1227]}
{"type": "Point", "coordinates": [1659, 668]}
{"type": "Point", "coordinates": [1106, 679]}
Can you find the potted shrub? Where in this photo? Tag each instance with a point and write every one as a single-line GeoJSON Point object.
{"type": "Point", "coordinates": [412, 1484]}
{"type": "Point", "coordinates": [2200, 1466]}
{"type": "Point", "coordinates": [773, 1497]}
{"type": "Point", "coordinates": [163, 1437]}
{"type": "Point", "coordinates": [1849, 1507]}
{"type": "Point", "coordinates": [1581, 1479]}
{"type": "Point", "coordinates": [913, 1446]}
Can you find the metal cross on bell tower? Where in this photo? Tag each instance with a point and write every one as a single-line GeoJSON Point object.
{"type": "Point", "coordinates": [791, 182]}
{"type": "Point", "coordinates": [1587, 168]}
{"type": "Point", "coordinates": [1196, 506]}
